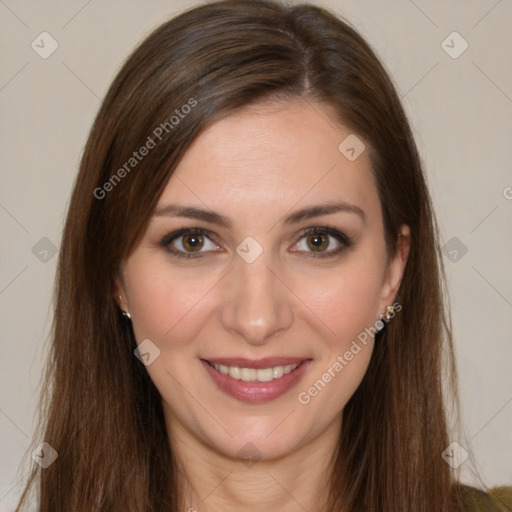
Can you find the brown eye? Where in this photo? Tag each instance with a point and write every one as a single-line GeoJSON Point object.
{"type": "Point", "coordinates": [318, 242]}
{"type": "Point", "coordinates": [322, 242]}
{"type": "Point", "coordinates": [192, 242]}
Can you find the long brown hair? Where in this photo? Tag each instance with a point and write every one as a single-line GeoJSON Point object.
{"type": "Point", "coordinates": [101, 412]}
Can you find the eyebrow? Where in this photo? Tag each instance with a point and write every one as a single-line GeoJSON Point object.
{"type": "Point", "coordinates": [225, 222]}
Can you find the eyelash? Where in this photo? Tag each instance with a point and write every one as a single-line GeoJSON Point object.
{"type": "Point", "coordinates": [343, 239]}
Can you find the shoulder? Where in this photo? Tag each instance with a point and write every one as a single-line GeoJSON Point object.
{"type": "Point", "coordinates": [497, 499]}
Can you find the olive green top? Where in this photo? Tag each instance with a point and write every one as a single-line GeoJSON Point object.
{"type": "Point", "coordinates": [499, 499]}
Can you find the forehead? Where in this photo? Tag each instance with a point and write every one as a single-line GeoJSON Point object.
{"type": "Point", "coordinates": [268, 154]}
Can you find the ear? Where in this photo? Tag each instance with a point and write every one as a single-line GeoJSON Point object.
{"type": "Point", "coordinates": [120, 292]}
{"type": "Point", "coordinates": [395, 269]}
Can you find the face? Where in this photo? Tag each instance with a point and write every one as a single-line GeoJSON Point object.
{"type": "Point", "coordinates": [259, 281]}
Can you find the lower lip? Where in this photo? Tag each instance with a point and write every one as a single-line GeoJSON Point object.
{"type": "Point", "coordinates": [255, 392]}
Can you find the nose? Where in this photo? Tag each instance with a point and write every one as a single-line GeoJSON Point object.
{"type": "Point", "coordinates": [258, 304]}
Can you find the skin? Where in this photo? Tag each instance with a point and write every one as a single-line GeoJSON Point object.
{"type": "Point", "coordinates": [256, 167]}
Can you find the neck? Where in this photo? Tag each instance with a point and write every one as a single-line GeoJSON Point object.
{"type": "Point", "coordinates": [293, 483]}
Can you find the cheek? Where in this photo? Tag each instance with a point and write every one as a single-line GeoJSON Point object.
{"type": "Point", "coordinates": [346, 301]}
{"type": "Point", "coordinates": [166, 305]}
{"type": "Point", "coordinates": [347, 305]}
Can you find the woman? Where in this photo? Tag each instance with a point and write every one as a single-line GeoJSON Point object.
{"type": "Point", "coordinates": [249, 310]}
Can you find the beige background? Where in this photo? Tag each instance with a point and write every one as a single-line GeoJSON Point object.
{"type": "Point", "coordinates": [461, 110]}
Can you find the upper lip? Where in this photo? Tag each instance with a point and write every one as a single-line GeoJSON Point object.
{"type": "Point", "coordinates": [265, 362]}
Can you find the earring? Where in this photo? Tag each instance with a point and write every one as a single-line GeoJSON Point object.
{"type": "Point", "coordinates": [388, 314]}
{"type": "Point", "coordinates": [125, 313]}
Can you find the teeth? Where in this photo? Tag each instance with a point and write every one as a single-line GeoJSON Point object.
{"type": "Point", "coordinates": [265, 374]}
{"type": "Point", "coordinates": [248, 374]}
{"type": "Point", "coordinates": [278, 372]}
{"type": "Point", "coordinates": [253, 374]}
{"type": "Point", "coordinates": [234, 372]}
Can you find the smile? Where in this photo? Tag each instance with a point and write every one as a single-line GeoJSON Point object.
{"type": "Point", "coordinates": [253, 374]}
{"type": "Point", "coordinates": [256, 381]}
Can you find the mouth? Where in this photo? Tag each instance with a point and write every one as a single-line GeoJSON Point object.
{"type": "Point", "coordinates": [254, 374]}
{"type": "Point", "coordinates": [256, 380]}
